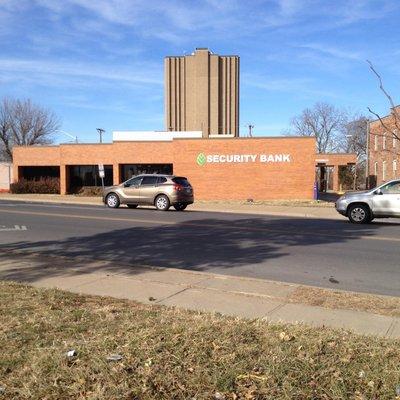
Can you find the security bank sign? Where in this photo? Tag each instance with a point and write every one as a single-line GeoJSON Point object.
{"type": "Point", "coordinates": [203, 159]}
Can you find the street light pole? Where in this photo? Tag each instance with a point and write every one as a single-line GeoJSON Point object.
{"type": "Point", "coordinates": [351, 137]}
{"type": "Point", "coordinates": [367, 158]}
{"type": "Point", "coordinates": [69, 135]}
{"type": "Point", "coordinates": [101, 131]}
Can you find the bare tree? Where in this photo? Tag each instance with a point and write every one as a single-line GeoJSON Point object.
{"type": "Point", "coordinates": [394, 111]}
{"type": "Point", "coordinates": [23, 123]}
{"type": "Point", "coordinates": [353, 138]}
{"type": "Point", "coordinates": [325, 122]}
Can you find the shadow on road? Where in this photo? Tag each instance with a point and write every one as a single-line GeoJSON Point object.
{"type": "Point", "coordinates": [192, 245]}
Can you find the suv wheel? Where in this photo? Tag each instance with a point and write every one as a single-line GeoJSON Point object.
{"type": "Point", "coordinates": [359, 214]}
{"type": "Point", "coordinates": [112, 200]}
{"type": "Point", "coordinates": [162, 202]}
{"type": "Point", "coordinates": [180, 206]}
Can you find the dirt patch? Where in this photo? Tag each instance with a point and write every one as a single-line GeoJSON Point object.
{"type": "Point", "coordinates": [332, 299]}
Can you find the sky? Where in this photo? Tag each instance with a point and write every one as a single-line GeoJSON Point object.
{"type": "Point", "coordinates": [99, 63]}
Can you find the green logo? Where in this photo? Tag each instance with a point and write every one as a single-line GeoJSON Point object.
{"type": "Point", "coordinates": [201, 159]}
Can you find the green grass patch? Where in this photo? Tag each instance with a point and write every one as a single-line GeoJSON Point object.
{"type": "Point", "coordinates": [172, 354]}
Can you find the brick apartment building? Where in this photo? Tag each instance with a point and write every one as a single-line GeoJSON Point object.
{"type": "Point", "coordinates": [383, 150]}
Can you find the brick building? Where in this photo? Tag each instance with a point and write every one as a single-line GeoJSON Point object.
{"type": "Point", "coordinates": [383, 150]}
{"type": "Point", "coordinates": [202, 93]}
{"type": "Point", "coordinates": [200, 141]}
{"type": "Point", "coordinates": [219, 168]}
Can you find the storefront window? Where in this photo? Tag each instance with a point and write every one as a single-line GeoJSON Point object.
{"type": "Point", "coordinates": [88, 175]}
{"type": "Point", "coordinates": [129, 170]}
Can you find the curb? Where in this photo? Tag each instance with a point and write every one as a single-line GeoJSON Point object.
{"type": "Point", "coordinates": [199, 209]}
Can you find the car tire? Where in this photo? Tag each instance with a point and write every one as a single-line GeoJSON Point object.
{"type": "Point", "coordinates": [162, 202]}
{"type": "Point", "coordinates": [112, 200]}
{"type": "Point", "coordinates": [180, 206]}
{"type": "Point", "coordinates": [359, 214]}
{"type": "Point", "coordinates": [132, 205]}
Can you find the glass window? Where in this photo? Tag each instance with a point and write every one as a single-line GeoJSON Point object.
{"type": "Point", "coordinates": [384, 170]}
{"type": "Point", "coordinates": [394, 165]}
{"type": "Point", "coordinates": [88, 175]}
{"type": "Point", "coordinates": [161, 180]}
{"type": "Point", "coordinates": [391, 188]}
{"type": "Point", "coordinates": [180, 180]}
{"type": "Point", "coordinates": [376, 169]}
{"type": "Point", "coordinates": [134, 181]}
{"type": "Point", "coordinates": [149, 180]}
{"type": "Point", "coordinates": [384, 141]}
{"type": "Point", "coordinates": [376, 143]}
{"type": "Point", "coordinates": [128, 171]}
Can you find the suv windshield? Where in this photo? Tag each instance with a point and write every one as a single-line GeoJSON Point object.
{"type": "Point", "coordinates": [180, 180]}
{"type": "Point", "coordinates": [391, 188]}
{"type": "Point", "coordinates": [133, 181]}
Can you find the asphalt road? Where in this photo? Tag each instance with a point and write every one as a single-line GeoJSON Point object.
{"type": "Point", "coordinates": [325, 253]}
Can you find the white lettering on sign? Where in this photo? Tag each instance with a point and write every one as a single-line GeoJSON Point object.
{"type": "Point", "coordinates": [247, 158]}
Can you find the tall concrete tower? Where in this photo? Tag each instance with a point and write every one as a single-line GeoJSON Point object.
{"type": "Point", "coordinates": [202, 93]}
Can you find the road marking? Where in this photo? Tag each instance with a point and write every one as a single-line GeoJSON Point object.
{"type": "Point", "coordinates": [48, 214]}
{"type": "Point", "coordinates": [200, 225]}
{"type": "Point", "coordinates": [4, 228]}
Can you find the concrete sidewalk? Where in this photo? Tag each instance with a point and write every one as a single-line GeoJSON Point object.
{"type": "Point", "coordinates": [235, 296]}
{"type": "Point", "coordinates": [302, 209]}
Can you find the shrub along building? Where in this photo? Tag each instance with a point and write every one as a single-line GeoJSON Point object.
{"type": "Point", "coordinates": [200, 142]}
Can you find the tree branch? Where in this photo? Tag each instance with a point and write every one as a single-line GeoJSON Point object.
{"type": "Point", "coordinates": [383, 124]}
{"type": "Point", "coordinates": [389, 97]}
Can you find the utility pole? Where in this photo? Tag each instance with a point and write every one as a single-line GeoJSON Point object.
{"type": "Point", "coordinates": [367, 158]}
{"type": "Point", "coordinates": [101, 131]}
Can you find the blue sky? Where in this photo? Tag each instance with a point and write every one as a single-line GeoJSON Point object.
{"type": "Point", "coordinates": [99, 63]}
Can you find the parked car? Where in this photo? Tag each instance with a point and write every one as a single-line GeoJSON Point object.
{"type": "Point", "coordinates": [380, 202]}
{"type": "Point", "coordinates": [161, 191]}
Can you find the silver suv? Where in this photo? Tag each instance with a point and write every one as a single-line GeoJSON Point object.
{"type": "Point", "coordinates": [380, 202]}
{"type": "Point", "coordinates": [161, 191]}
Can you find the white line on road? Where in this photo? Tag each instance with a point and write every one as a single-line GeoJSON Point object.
{"type": "Point", "coordinates": [4, 228]}
{"type": "Point", "coordinates": [202, 225]}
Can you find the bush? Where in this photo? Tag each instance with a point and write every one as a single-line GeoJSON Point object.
{"type": "Point", "coordinates": [90, 191]}
{"type": "Point", "coordinates": [41, 185]}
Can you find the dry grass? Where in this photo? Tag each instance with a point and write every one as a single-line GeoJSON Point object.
{"type": "Point", "coordinates": [170, 354]}
{"type": "Point", "coordinates": [384, 305]}
{"type": "Point", "coordinates": [289, 203]}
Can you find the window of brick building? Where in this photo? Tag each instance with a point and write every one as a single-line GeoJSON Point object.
{"type": "Point", "coordinates": [394, 167]}
{"type": "Point", "coordinates": [384, 141]}
{"type": "Point", "coordinates": [376, 169]}
{"type": "Point", "coordinates": [376, 143]}
{"type": "Point", "coordinates": [384, 170]}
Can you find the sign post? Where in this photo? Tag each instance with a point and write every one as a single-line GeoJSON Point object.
{"type": "Point", "coordinates": [102, 175]}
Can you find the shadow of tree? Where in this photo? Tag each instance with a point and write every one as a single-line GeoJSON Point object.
{"type": "Point", "coordinates": [195, 244]}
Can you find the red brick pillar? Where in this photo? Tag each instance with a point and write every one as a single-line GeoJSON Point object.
{"type": "Point", "coordinates": [336, 178]}
{"type": "Point", "coordinates": [16, 175]}
{"type": "Point", "coordinates": [116, 174]}
{"type": "Point", "coordinates": [63, 179]}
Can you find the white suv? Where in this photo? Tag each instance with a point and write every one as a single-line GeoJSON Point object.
{"type": "Point", "coordinates": [380, 202]}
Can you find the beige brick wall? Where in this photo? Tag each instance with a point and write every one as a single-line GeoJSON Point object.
{"type": "Point", "coordinates": [6, 176]}
{"type": "Point", "coordinates": [202, 93]}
